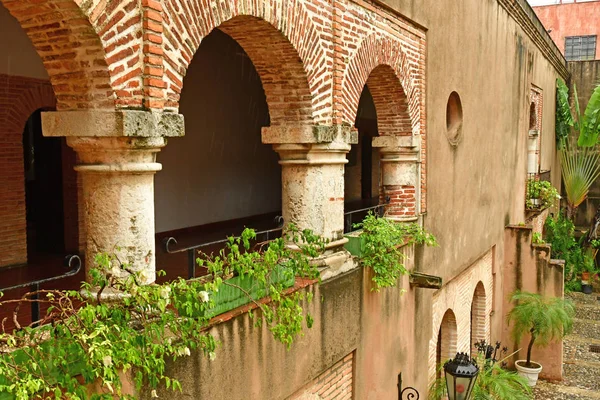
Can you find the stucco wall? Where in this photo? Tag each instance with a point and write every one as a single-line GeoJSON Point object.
{"type": "Point", "coordinates": [220, 170]}
{"type": "Point", "coordinates": [528, 268]}
{"type": "Point", "coordinates": [575, 19]}
{"type": "Point", "coordinates": [478, 49]}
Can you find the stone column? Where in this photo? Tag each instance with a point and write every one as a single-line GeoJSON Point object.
{"type": "Point", "coordinates": [117, 162]}
{"type": "Point", "coordinates": [532, 152]}
{"type": "Point", "coordinates": [399, 157]}
{"type": "Point", "coordinates": [312, 159]}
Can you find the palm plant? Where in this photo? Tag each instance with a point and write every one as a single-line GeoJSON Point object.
{"type": "Point", "coordinates": [580, 165]}
{"type": "Point", "coordinates": [545, 319]}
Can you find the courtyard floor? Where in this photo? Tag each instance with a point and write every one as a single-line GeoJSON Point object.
{"type": "Point", "coordinates": [581, 366]}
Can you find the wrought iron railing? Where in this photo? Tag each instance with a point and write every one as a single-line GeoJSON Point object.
{"type": "Point", "coordinates": [170, 243]}
{"type": "Point", "coordinates": [350, 217]}
{"type": "Point", "coordinates": [192, 251]}
{"type": "Point", "coordinates": [71, 261]}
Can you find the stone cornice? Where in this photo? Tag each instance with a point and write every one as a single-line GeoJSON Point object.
{"type": "Point", "coordinates": [524, 15]}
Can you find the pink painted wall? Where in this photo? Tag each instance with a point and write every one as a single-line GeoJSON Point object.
{"type": "Point", "coordinates": [574, 19]}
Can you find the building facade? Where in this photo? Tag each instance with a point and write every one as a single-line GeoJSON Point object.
{"type": "Point", "coordinates": [574, 27]}
{"type": "Point", "coordinates": [303, 108]}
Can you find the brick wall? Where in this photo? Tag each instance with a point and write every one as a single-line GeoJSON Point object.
{"type": "Point", "coordinates": [333, 384]}
{"type": "Point", "coordinates": [403, 200]}
{"type": "Point", "coordinates": [456, 297]}
{"type": "Point", "coordinates": [308, 53]}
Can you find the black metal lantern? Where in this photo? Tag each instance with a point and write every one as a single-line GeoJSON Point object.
{"type": "Point", "coordinates": [461, 373]}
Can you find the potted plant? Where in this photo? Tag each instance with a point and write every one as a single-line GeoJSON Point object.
{"type": "Point", "coordinates": [540, 194]}
{"type": "Point", "coordinates": [544, 319]}
{"type": "Point", "coordinates": [588, 269]}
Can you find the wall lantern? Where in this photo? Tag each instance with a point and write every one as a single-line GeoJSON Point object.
{"type": "Point", "coordinates": [461, 373]}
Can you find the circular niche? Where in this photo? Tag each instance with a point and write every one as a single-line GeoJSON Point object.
{"type": "Point", "coordinates": [454, 119]}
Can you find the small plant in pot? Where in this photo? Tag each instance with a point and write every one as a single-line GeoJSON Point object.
{"type": "Point", "coordinates": [540, 194]}
{"type": "Point", "coordinates": [544, 319]}
{"type": "Point", "coordinates": [588, 270]}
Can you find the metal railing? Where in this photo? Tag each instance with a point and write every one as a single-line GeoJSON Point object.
{"type": "Point", "coordinates": [168, 242]}
{"type": "Point", "coordinates": [261, 236]}
{"type": "Point", "coordinates": [71, 261]}
{"type": "Point", "coordinates": [349, 217]}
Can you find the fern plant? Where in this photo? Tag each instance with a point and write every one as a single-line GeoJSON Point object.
{"type": "Point", "coordinates": [545, 319]}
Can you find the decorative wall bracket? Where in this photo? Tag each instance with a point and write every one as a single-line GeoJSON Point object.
{"type": "Point", "coordinates": [425, 281]}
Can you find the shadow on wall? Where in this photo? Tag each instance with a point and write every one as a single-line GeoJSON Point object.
{"type": "Point", "coordinates": [220, 170]}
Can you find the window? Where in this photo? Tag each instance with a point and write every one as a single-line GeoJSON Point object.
{"type": "Point", "coordinates": [580, 48]}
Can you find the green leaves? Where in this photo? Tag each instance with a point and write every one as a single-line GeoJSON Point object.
{"type": "Point", "coordinates": [544, 318]}
{"type": "Point", "coordinates": [589, 127]}
{"type": "Point", "coordinates": [580, 167]}
{"type": "Point", "coordinates": [541, 190]}
{"type": "Point", "coordinates": [268, 270]}
{"type": "Point", "coordinates": [382, 251]}
{"type": "Point", "coordinates": [564, 119]}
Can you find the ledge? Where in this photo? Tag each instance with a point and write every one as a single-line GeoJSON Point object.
{"type": "Point", "coordinates": [123, 123]}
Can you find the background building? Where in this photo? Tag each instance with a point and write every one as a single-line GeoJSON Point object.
{"type": "Point", "coordinates": [574, 26]}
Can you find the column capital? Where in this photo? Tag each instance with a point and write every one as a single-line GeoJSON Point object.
{"type": "Point", "coordinates": [309, 134]}
{"type": "Point", "coordinates": [119, 123]}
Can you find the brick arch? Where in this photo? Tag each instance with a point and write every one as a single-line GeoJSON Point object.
{"type": "Point", "coordinates": [478, 316]}
{"type": "Point", "coordinates": [26, 103]}
{"type": "Point", "coordinates": [24, 96]}
{"type": "Point", "coordinates": [384, 68]}
{"type": "Point", "coordinates": [447, 344]}
{"type": "Point", "coordinates": [71, 51]}
{"type": "Point", "coordinates": [284, 47]}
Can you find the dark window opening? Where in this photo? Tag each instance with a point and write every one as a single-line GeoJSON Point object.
{"type": "Point", "coordinates": [43, 190]}
{"type": "Point", "coordinates": [362, 172]}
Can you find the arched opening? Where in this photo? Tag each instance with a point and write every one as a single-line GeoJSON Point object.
{"type": "Point", "coordinates": [362, 172]}
{"type": "Point", "coordinates": [42, 160]}
{"type": "Point", "coordinates": [219, 178]}
{"type": "Point", "coordinates": [382, 111]}
{"type": "Point", "coordinates": [532, 117]}
{"type": "Point", "coordinates": [454, 118]}
{"type": "Point", "coordinates": [478, 317]}
{"type": "Point", "coordinates": [446, 345]}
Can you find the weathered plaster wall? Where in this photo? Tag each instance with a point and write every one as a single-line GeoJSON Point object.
{"type": "Point", "coordinates": [385, 331]}
{"type": "Point", "coordinates": [574, 19]}
{"type": "Point", "coordinates": [527, 267]}
{"type": "Point", "coordinates": [220, 170]}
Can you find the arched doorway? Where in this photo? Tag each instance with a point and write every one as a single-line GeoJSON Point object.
{"type": "Point", "coordinates": [478, 317]}
{"type": "Point", "coordinates": [362, 172]}
{"type": "Point", "coordinates": [447, 338]}
{"type": "Point", "coordinates": [43, 169]}
{"type": "Point", "coordinates": [220, 177]}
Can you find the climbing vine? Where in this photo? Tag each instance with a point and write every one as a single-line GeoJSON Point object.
{"type": "Point", "coordinates": [382, 251]}
{"type": "Point", "coordinates": [116, 326]}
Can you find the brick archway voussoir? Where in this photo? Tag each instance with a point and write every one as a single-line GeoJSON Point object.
{"type": "Point", "coordinates": [71, 51]}
{"type": "Point", "coordinates": [284, 47]}
{"type": "Point", "coordinates": [374, 52]}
